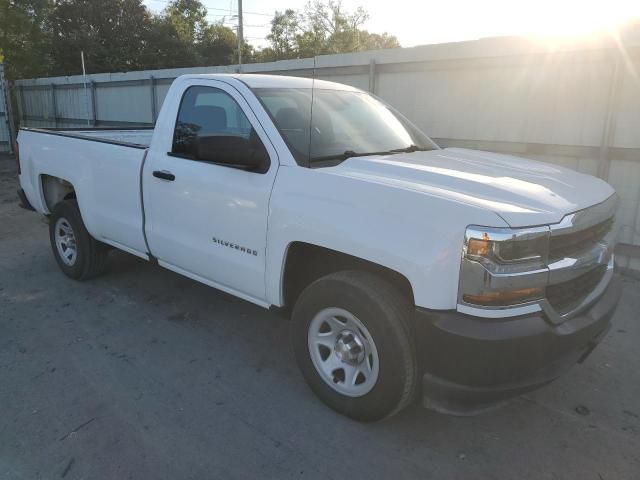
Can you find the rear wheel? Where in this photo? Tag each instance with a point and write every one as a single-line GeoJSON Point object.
{"type": "Point", "coordinates": [77, 253]}
{"type": "Point", "coordinates": [351, 337]}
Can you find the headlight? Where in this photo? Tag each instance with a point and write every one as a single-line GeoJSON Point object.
{"type": "Point", "coordinates": [504, 250]}
{"type": "Point", "coordinates": [504, 267]}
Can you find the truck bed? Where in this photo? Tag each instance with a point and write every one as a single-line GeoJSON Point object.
{"type": "Point", "coordinates": [104, 167]}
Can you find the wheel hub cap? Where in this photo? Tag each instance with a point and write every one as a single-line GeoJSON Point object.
{"type": "Point", "coordinates": [349, 347]}
{"type": "Point", "coordinates": [343, 352]}
{"type": "Point", "coordinates": [65, 239]}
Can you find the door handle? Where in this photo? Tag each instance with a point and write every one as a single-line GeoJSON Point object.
{"type": "Point", "coordinates": [164, 175]}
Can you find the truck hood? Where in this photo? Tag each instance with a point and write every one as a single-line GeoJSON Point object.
{"type": "Point", "coordinates": [523, 192]}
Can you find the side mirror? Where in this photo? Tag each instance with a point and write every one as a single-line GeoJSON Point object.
{"type": "Point", "coordinates": [233, 150]}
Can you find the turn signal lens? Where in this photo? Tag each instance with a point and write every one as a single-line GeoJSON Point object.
{"type": "Point", "coordinates": [479, 248]}
{"type": "Point", "coordinates": [506, 297]}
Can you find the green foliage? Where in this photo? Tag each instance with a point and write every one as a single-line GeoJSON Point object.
{"type": "Point", "coordinates": [199, 43]}
{"type": "Point", "coordinates": [218, 45]}
{"type": "Point", "coordinates": [188, 18]}
{"type": "Point", "coordinates": [113, 34]}
{"type": "Point", "coordinates": [165, 48]}
{"type": "Point", "coordinates": [285, 28]}
{"type": "Point", "coordinates": [24, 38]}
{"type": "Point", "coordinates": [45, 37]}
{"type": "Point", "coordinates": [322, 28]}
{"type": "Point", "coordinates": [377, 41]}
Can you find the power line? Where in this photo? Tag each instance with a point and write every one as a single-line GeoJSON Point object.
{"type": "Point", "coordinates": [234, 15]}
{"type": "Point", "coordinates": [243, 11]}
{"type": "Point", "coordinates": [244, 24]}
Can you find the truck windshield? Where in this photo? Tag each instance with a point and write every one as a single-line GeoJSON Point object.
{"type": "Point", "coordinates": [341, 124]}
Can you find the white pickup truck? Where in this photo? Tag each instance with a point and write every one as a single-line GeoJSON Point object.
{"type": "Point", "coordinates": [467, 276]}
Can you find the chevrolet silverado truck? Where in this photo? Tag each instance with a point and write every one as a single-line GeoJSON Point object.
{"type": "Point", "coordinates": [459, 276]}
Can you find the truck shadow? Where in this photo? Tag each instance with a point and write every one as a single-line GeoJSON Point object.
{"type": "Point", "coordinates": [250, 332]}
{"type": "Point", "coordinates": [222, 355]}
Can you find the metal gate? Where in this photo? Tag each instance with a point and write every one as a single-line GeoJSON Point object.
{"type": "Point", "coordinates": [5, 115]}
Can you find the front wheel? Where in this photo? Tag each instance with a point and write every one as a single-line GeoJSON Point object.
{"type": "Point", "coordinates": [351, 337]}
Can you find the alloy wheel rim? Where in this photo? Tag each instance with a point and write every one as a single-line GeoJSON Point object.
{"type": "Point", "coordinates": [343, 352]}
{"type": "Point", "coordinates": [65, 239]}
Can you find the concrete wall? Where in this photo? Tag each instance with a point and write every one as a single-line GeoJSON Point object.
{"type": "Point", "coordinates": [576, 105]}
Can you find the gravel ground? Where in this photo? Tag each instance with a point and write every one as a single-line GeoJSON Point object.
{"type": "Point", "coordinates": [144, 374]}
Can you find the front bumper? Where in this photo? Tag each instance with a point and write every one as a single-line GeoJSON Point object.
{"type": "Point", "coordinates": [470, 364]}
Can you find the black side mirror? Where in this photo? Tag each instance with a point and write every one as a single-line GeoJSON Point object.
{"type": "Point", "coordinates": [233, 150]}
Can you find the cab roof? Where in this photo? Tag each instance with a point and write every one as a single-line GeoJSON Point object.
{"type": "Point", "coordinates": [254, 80]}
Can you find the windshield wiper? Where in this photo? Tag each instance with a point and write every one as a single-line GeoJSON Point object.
{"type": "Point", "coordinates": [410, 149]}
{"type": "Point", "coordinates": [350, 153]}
{"type": "Point", "coordinates": [344, 155]}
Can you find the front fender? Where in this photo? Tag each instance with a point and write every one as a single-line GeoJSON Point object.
{"type": "Point", "coordinates": [416, 234]}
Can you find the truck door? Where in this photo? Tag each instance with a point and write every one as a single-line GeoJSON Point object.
{"type": "Point", "coordinates": [207, 220]}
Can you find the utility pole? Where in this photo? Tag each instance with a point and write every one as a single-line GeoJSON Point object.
{"type": "Point", "coordinates": [240, 35]}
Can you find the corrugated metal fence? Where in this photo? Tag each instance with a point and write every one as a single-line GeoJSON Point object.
{"type": "Point", "coordinates": [5, 116]}
{"type": "Point", "coordinates": [576, 105]}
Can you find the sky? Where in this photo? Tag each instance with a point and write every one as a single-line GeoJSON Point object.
{"type": "Point", "coordinates": [425, 22]}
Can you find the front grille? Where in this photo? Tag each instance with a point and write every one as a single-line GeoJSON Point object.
{"type": "Point", "coordinates": [562, 246]}
{"type": "Point", "coordinates": [565, 296]}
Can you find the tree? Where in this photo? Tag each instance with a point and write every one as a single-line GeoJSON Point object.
{"type": "Point", "coordinates": [45, 37]}
{"type": "Point", "coordinates": [322, 28]}
{"type": "Point", "coordinates": [25, 36]}
{"type": "Point", "coordinates": [377, 41]}
{"type": "Point", "coordinates": [122, 35]}
{"type": "Point", "coordinates": [113, 34]}
{"type": "Point", "coordinates": [285, 28]}
{"type": "Point", "coordinates": [333, 30]}
{"type": "Point", "coordinates": [165, 48]}
{"type": "Point", "coordinates": [205, 44]}
{"type": "Point", "coordinates": [218, 46]}
{"type": "Point", "coordinates": [189, 18]}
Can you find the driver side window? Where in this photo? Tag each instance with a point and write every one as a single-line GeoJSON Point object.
{"type": "Point", "coordinates": [208, 112]}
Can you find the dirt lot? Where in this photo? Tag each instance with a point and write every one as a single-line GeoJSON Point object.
{"type": "Point", "coordinates": [144, 374]}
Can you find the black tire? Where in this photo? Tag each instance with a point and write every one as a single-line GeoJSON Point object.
{"type": "Point", "coordinates": [387, 316]}
{"type": "Point", "coordinates": [91, 254]}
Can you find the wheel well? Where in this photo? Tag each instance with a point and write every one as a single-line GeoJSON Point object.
{"type": "Point", "coordinates": [56, 189]}
{"type": "Point", "coordinates": [306, 263]}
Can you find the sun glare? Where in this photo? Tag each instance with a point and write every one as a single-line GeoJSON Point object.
{"type": "Point", "coordinates": [569, 18]}
{"type": "Point", "coordinates": [549, 21]}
